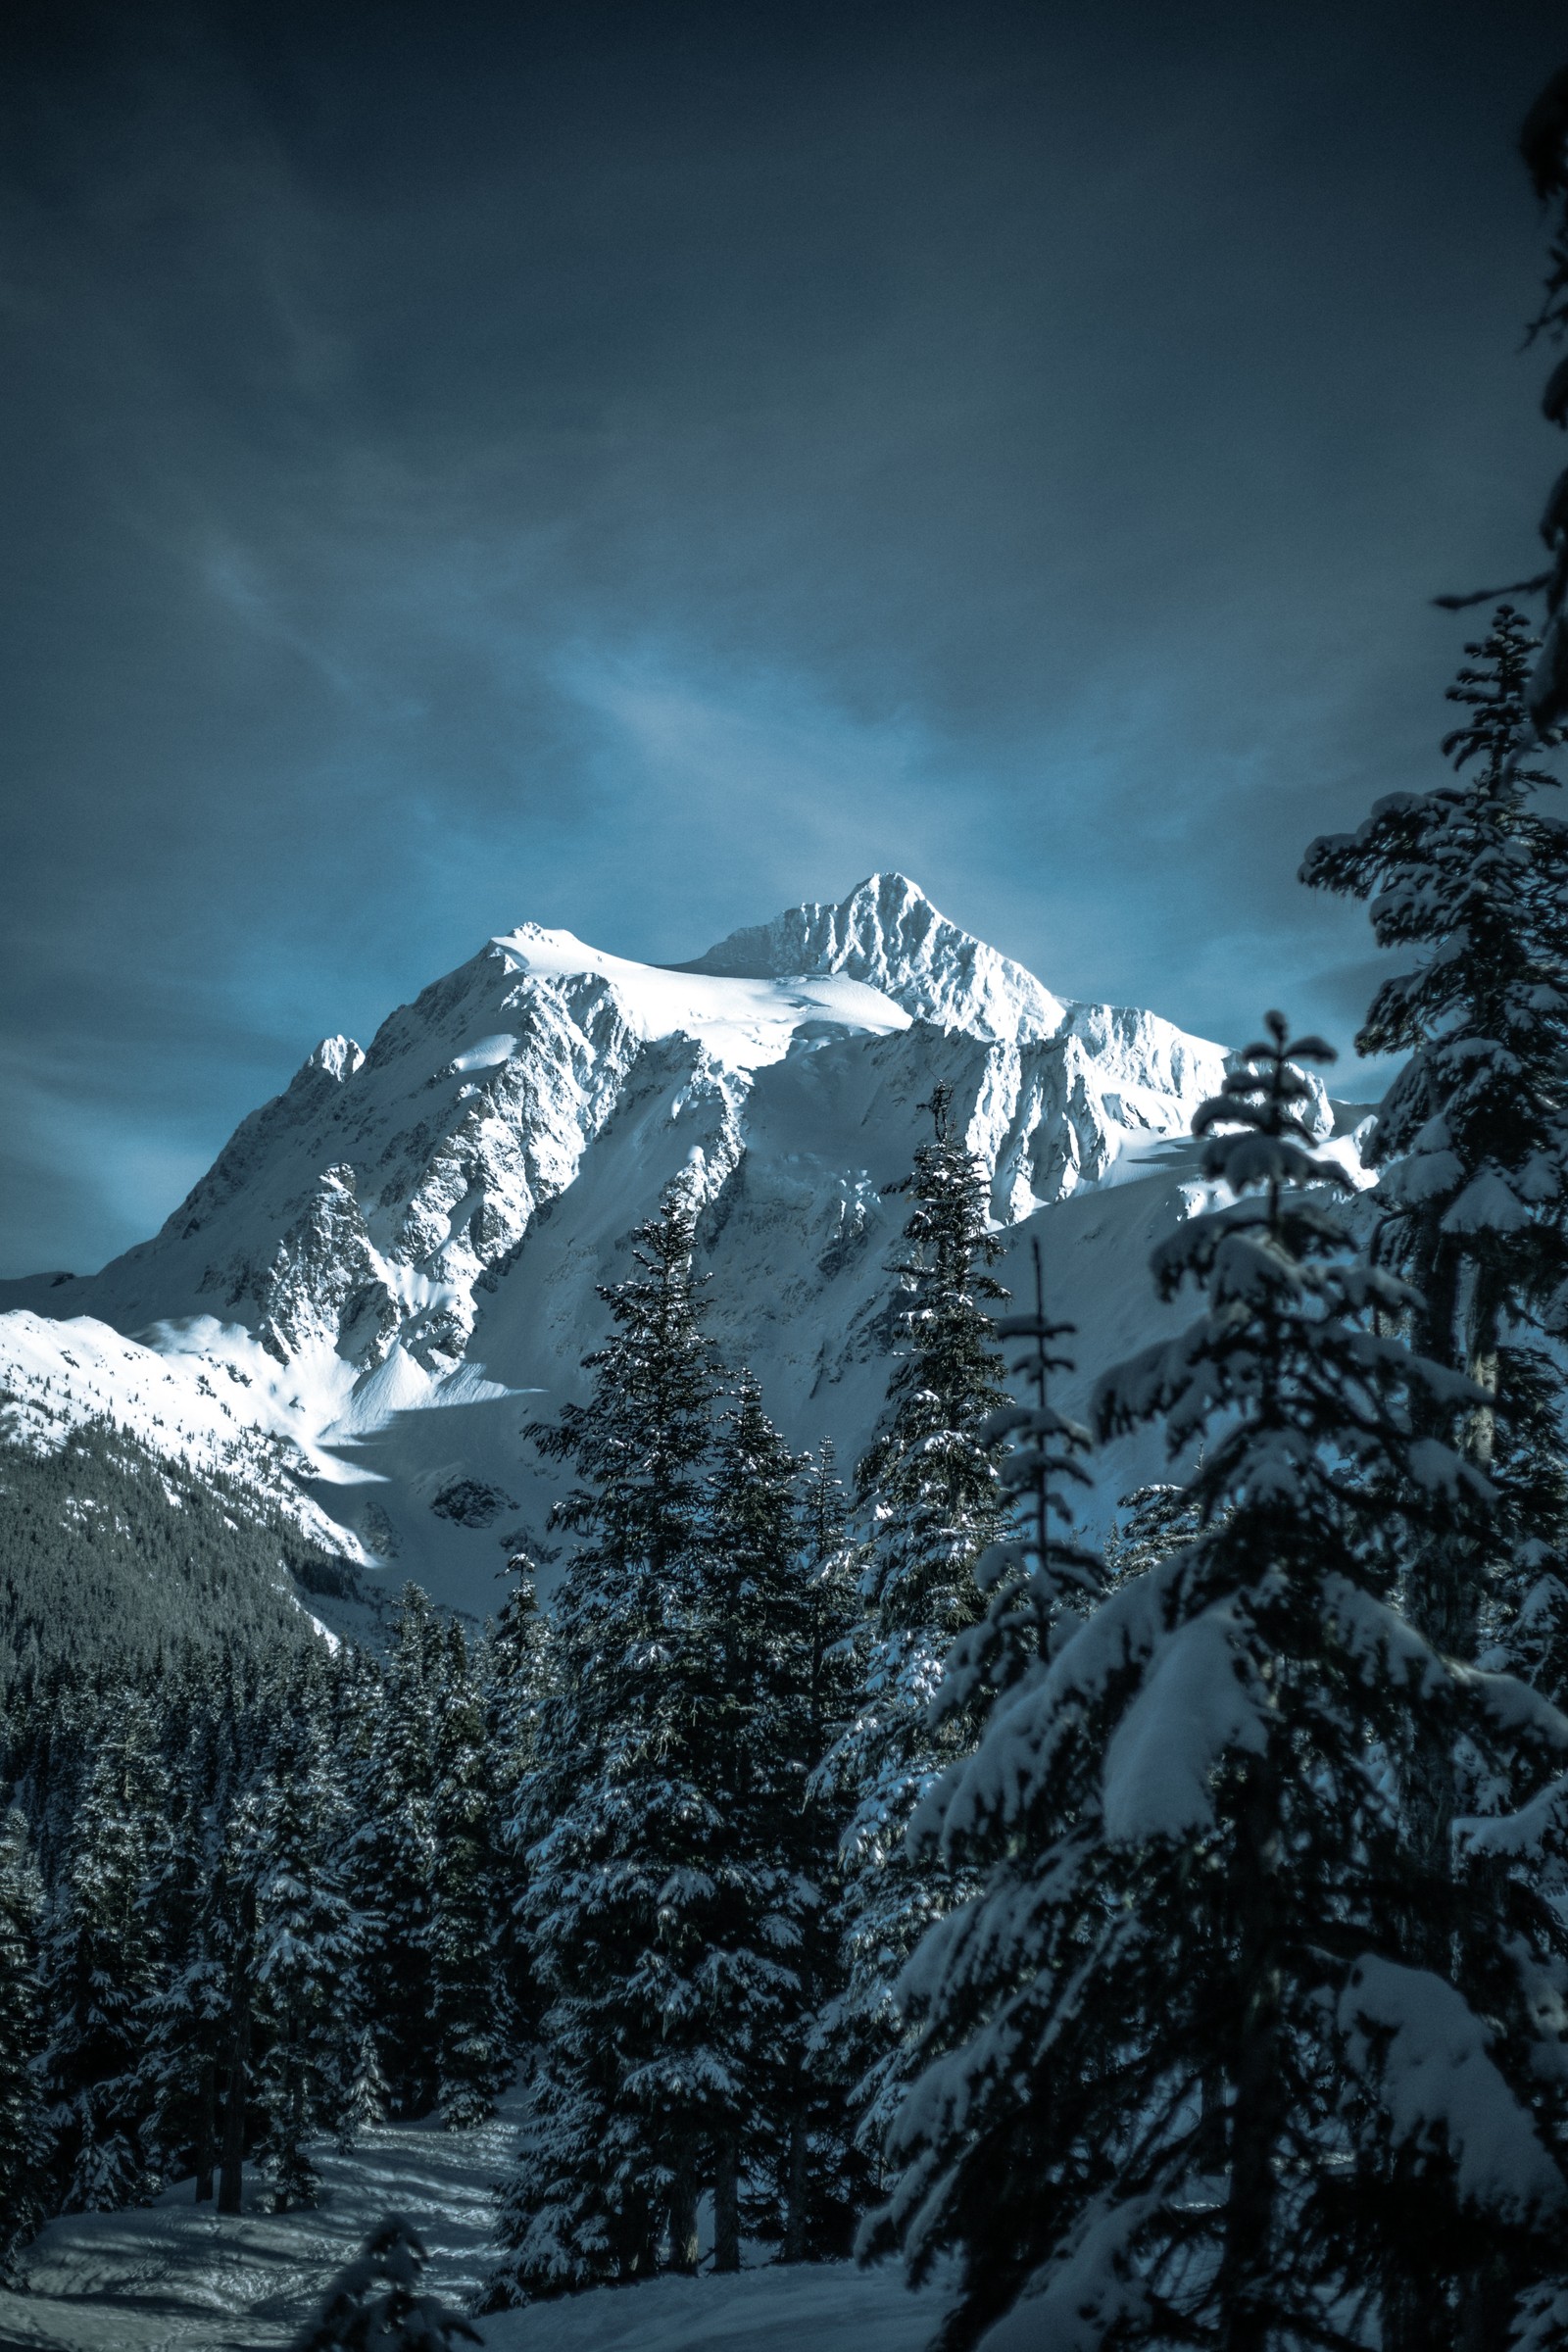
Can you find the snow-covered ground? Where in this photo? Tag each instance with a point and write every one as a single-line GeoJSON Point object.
{"type": "Point", "coordinates": [818, 2307]}
{"type": "Point", "coordinates": [174, 2278]}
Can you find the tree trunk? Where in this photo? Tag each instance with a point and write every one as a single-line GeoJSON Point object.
{"type": "Point", "coordinates": [683, 2246]}
{"type": "Point", "coordinates": [231, 2168]}
{"type": "Point", "coordinates": [1488, 2305]}
{"type": "Point", "coordinates": [1483, 1324]}
{"type": "Point", "coordinates": [726, 2204]}
{"type": "Point", "coordinates": [1442, 1599]}
{"type": "Point", "coordinates": [205, 2126]}
{"type": "Point", "coordinates": [1245, 2301]}
{"type": "Point", "coordinates": [795, 2189]}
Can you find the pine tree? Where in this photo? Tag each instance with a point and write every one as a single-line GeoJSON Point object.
{"type": "Point", "coordinates": [392, 1852]}
{"type": "Point", "coordinates": [101, 1966]}
{"type": "Point", "coordinates": [1471, 1143]}
{"type": "Point", "coordinates": [1544, 142]}
{"type": "Point", "coordinates": [516, 1665]}
{"type": "Point", "coordinates": [470, 2013]}
{"type": "Point", "coordinates": [930, 1483]}
{"type": "Point", "coordinates": [1472, 1201]}
{"type": "Point", "coordinates": [617, 1811]}
{"type": "Point", "coordinates": [179, 2026]}
{"type": "Point", "coordinates": [233, 1941]}
{"type": "Point", "coordinates": [24, 2140]}
{"type": "Point", "coordinates": [760, 1621]}
{"type": "Point", "coordinates": [379, 2303]}
{"type": "Point", "coordinates": [304, 1962]}
{"type": "Point", "coordinates": [1178, 2063]}
{"type": "Point", "coordinates": [1161, 1518]}
{"type": "Point", "coordinates": [1038, 1579]}
{"type": "Point", "coordinates": [368, 2097]}
{"type": "Point", "coordinates": [827, 2178]}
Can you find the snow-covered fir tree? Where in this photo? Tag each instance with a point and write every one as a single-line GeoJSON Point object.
{"type": "Point", "coordinates": [758, 1617]}
{"type": "Point", "coordinates": [368, 2096]}
{"type": "Point", "coordinates": [379, 2303]}
{"type": "Point", "coordinates": [1183, 2083]}
{"type": "Point", "coordinates": [303, 1968]}
{"type": "Point", "coordinates": [827, 2175]}
{"type": "Point", "coordinates": [1472, 1150]}
{"type": "Point", "coordinates": [181, 2022]}
{"type": "Point", "coordinates": [24, 2138]}
{"type": "Point", "coordinates": [392, 1854]}
{"type": "Point", "coordinates": [470, 2018]}
{"type": "Point", "coordinates": [101, 1966]}
{"type": "Point", "coordinates": [930, 1489]}
{"type": "Point", "coordinates": [1544, 142]}
{"type": "Point", "coordinates": [1038, 1579]}
{"type": "Point", "coordinates": [624, 1831]}
{"type": "Point", "coordinates": [1471, 1143]}
{"type": "Point", "coordinates": [1151, 1523]}
{"type": "Point", "coordinates": [233, 1937]}
{"type": "Point", "coordinates": [516, 1664]}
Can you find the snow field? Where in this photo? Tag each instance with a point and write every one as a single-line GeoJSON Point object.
{"type": "Point", "coordinates": [174, 2278]}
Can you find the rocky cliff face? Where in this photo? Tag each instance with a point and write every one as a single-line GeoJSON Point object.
{"type": "Point", "coordinates": [410, 1237]}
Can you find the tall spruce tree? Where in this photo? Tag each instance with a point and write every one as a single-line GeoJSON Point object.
{"type": "Point", "coordinates": [180, 2023]}
{"type": "Point", "coordinates": [625, 1836]}
{"type": "Point", "coordinates": [1038, 1579]}
{"type": "Point", "coordinates": [1472, 1205]}
{"type": "Point", "coordinates": [1180, 2067]}
{"type": "Point", "coordinates": [25, 2140]}
{"type": "Point", "coordinates": [1471, 1144]}
{"type": "Point", "coordinates": [470, 2013]}
{"type": "Point", "coordinates": [392, 1851]}
{"type": "Point", "coordinates": [379, 2302]}
{"type": "Point", "coordinates": [826, 2174]}
{"type": "Point", "coordinates": [930, 1487]}
{"type": "Point", "coordinates": [759, 1615]}
{"type": "Point", "coordinates": [517, 1664]}
{"type": "Point", "coordinates": [101, 1965]}
{"type": "Point", "coordinates": [304, 1967]}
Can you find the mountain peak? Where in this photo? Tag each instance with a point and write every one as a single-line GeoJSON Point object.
{"type": "Point", "coordinates": [887, 934]}
{"type": "Point", "coordinates": [339, 1056]}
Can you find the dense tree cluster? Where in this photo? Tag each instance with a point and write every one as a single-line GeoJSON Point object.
{"type": "Point", "coordinates": [116, 1561]}
{"type": "Point", "coordinates": [247, 1901]}
{"type": "Point", "coordinates": [648, 1843]}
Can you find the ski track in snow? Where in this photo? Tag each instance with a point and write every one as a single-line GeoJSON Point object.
{"type": "Point", "coordinates": [174, 2278]}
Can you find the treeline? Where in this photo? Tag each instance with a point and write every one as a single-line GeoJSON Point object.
{"type": "Point", "coordinates": [250, 1900]}
{"type": "Point", "coordinates": [1178, 1940]}
{"type": "Point", "coordinates": [115, 1558]}
{"type": "Point", "coordinates": [242, 1904]}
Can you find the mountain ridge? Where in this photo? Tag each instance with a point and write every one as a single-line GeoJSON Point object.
{"type": "Point", "coordinates": [411, 1235]}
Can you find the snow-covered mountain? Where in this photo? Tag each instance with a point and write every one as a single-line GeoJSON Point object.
{"type": "Point", "coordinates": [391, 1267]}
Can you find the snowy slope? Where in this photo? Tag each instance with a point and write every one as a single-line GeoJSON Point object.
{"type": "Point", "coordinates": [174, 2276]}
{"type": "Point", "coordinates": [193, 1405]}
{"type": "Point", "coordinates": [391, 1267]}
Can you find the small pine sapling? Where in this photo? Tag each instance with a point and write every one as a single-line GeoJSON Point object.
{"type": "Point", "coordinates": [379, 2303]}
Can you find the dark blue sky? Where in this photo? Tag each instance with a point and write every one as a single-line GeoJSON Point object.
{"type": "Point", "coordinates": [636, 469]}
